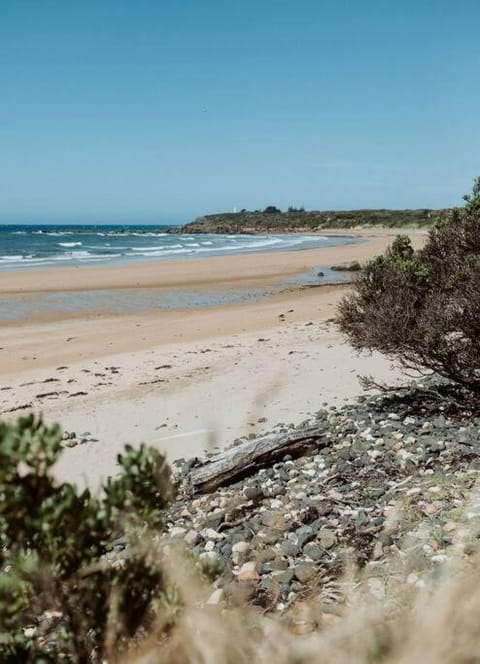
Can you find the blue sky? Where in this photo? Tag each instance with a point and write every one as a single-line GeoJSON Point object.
{"type": "Point", "coordinates": [161, 110]}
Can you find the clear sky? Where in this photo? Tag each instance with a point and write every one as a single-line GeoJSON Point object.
{"type": "Point", "coordinates": [161, 110]}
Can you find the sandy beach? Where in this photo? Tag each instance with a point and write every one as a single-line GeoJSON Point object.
{"type": "Point", "coordinates": [182, 379]}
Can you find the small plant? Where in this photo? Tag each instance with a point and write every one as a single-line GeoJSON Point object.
{"type": "Point", "coordinates": [423, 307]}
{"type": "Point", "coordinates": [58, 588]}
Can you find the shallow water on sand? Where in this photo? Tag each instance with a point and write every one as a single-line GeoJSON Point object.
{"type": "Point", "coordinates": [127, 301]}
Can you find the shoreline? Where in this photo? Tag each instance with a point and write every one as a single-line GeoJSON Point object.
{"type": "Point", "coordinates": [252, 270]}
{"type": "Point", "coordinates": [185, 380]}
{"type": "Point", "coordinates": [106, 250]}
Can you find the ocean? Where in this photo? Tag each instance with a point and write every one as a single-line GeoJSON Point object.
{"type": "Point", "coordinates": [25, 247]}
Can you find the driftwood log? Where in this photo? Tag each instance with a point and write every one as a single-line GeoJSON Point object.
{"type": "Point", "coordinates": [237, 462]}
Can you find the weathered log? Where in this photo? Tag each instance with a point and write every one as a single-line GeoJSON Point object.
{"type": "Point", "coordinates": [237, 462]}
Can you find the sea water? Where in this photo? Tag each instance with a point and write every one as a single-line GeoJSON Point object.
{"type": "Point", "coordinates": [27, 247]}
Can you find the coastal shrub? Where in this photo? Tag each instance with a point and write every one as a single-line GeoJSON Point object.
{"type": "Point", "coordinates": [66, 589]}
{"type": "Point", "coordinates": [423, 307]}
{"type": "Point", "coordinates": [272, 209]}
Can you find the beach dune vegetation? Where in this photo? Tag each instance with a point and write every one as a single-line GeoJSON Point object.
{"type": "Point", "coordinates": [423, 307]}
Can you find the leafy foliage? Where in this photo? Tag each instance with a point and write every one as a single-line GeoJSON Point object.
{"type": "Point", "coordinates": [423, 307]}
{"type": "Point", "coordinates": [56, 579]}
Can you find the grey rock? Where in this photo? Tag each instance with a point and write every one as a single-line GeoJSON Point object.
{"type": "Point", "coordinates": [253, 525]}
{"type": "Point", "coordinates": [267, 584]}
{"type": "Point", "coordinates": [362, 519]}
{"type": "Point", "coordinates": [327, 538]}
{"type": "Point", "coordinates": [283, 475]}
{"type": "Point", "coordinates": [304, 572]}
{"type": "Point", "coordinates": [215, 519]}
{"type": "Point", "coordinates": [278, 489]}
{"type": "Point", "coordinates": [464, 438]}
{"type": "Point", "coordinates": [313, 551]}
{"type": "Point", "coordinates": [304, 534]}
{"type": "Point", "coordinates": [269, 536]}
{"type": "Point", "coordinates": [253, 492]}
{"type": "Point", "coordinates": [266, 554]}
{"type": "Point", "coordinates": [285, 577]}
{"type": "Point", "coordinates": [296, 587]}
{"type": "Point", "coordinates": [289, 548]}
{"type": "Point", "coordinates": [324, 509]}
{"type": "Point", "coordinates": [346, 453]}
{"type": "Point", "coordinates": [192, 537]}
{"type": "Point", "coordinates": [273, 519]}
{"type": "Point", "coordinates": [276, 565]}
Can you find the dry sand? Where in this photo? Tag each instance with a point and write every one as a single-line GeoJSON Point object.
{"type": "Point", "coordinates": [183, 380]}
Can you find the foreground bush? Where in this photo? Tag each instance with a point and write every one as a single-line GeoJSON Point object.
{"type": "Point", "coordinates": [60, 596]}
{"type": "Point", "coordinates": [423, 307]}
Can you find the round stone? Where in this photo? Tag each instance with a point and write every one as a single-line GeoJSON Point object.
{"type": "Point", "coordinates": [313, 551]}
{"type": "Point", "coordinates": [304, 572]}
{"type": "Point", "coordinates": [327, 538]}
{"type": "Point", "coordinates": [253, 492]}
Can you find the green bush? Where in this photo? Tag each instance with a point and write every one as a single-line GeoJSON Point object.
{"type": "Point", "coordinates": [423, 307]}
{"type": "Point", "coordinates": [66, 587]}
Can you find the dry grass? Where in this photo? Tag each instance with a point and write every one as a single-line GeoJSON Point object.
{"type": "Point", "coordinates": [437, 627]}
{"type": "Point", "coordinates": [399, 617]}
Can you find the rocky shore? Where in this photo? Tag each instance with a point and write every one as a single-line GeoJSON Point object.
{"type": "Point", "coordinates": [393, 479]}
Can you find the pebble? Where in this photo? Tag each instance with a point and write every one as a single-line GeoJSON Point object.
{"type": "Point", "coordinates": [192, 537]}
{"type": "Point", "coordinates": [285, 576]}
{"type": "Point", "coordinates": [273, 519]}
{"type": "Point", "coordinates": [304, 572]}
{"type": "Point", "coordinates": [253, 492]}
{"type": "Point", "coordinates": [248, 572]}
{"type": "Point", "coordinates": [327, 539]}
{"type": "Point", "coordinates": [241, 547]}
{"type": "Point", "coordinates": [213, 535]}
{"type": "Point", "coordinates": [210, 556]}
{"type": "Point", "coordinates": [313, 551]}
{"type": "Point", "coordinates": [177, 531]}
{"type": "Point", "coordinates": [287, 525]}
